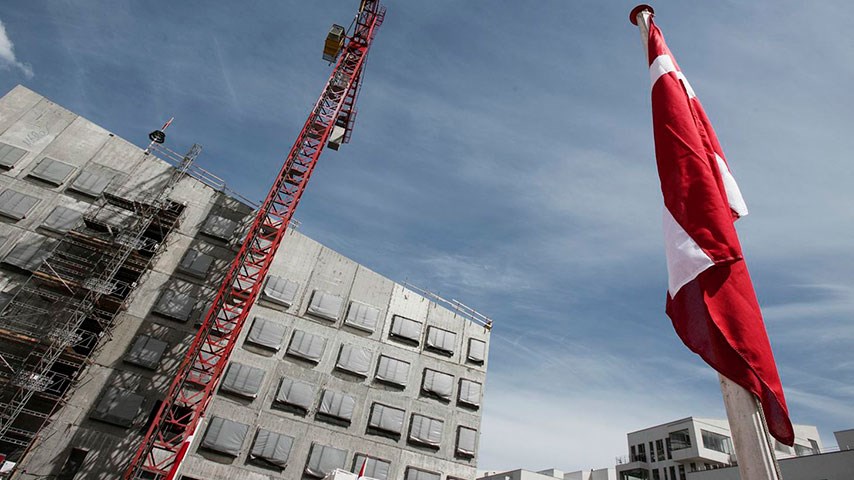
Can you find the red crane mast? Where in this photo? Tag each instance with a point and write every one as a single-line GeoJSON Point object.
{"type": "Point", "coordinates": [170, 434]}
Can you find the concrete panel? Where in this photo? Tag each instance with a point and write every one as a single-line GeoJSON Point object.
{"type": "Point", "coordinates": [15, 104]}
{"type": "Point", "coordinates": [78, 142]}
{"type": "Point", "coordinates": [36, 129]}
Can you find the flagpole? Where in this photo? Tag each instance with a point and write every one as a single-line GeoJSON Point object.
{"type": "Point", "coordinates": [753, 449]}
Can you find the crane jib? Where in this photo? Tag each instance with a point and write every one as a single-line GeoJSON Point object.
{"type": "Point", "coordinates": [166, 442]}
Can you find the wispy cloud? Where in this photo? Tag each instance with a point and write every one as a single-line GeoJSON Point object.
{"type": "Point", "coordinates": [7, 54]}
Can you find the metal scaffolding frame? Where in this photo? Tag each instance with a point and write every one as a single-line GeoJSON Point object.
{"type": "Point", "coordinates": [57, 319]}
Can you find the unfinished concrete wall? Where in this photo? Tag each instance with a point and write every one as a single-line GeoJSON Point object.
{"type": "Point", "coordinates": [41, 128]}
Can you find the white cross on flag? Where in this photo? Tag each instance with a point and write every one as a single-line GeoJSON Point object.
{"type": "Point", "coordinates": [710, 296]}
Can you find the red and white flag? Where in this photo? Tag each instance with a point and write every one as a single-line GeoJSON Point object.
{"type": "Point", "coordinates": [710, 296]}
{"type": "Point", "coordinates": [364, 467]}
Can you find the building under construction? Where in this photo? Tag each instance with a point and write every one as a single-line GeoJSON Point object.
{"type": "Point", "coordinates": [112, 254]}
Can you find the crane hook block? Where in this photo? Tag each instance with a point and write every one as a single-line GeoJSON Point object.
{"type": "Point", "coordinates": [157, 136]}
{"type": "Point", "coordinates": [334, 43]}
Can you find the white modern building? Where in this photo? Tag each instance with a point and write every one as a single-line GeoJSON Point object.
{"type": "Point", "coordinates": [672, 451]}
{"type": "Point", "coordinates": [551, 474]}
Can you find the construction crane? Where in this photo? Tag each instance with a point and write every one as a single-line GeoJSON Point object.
{"type": "Point", "coordinates": [329, 123]}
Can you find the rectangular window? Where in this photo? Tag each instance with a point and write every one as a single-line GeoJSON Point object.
{"type": "Point", "coordinates": [672, 473]}
{"type": "Point", "coordinates": [146, 352]}
{"type": "Point", "coordinates": [324, 459]}
{"type": "Point", "coordinates": [655, 474]}
{"type": "Point", "coordinates": [280, 290]}
{"type": "Point", "coordinates": [374, 467]}
{"type": "Point", "coordinates": [413, 473]}
{"type": "Point", "coordinates": [196, 263]}
{"type": "Point", "coordinates": [174, 305]}
{"type": "Point", "coordinates": [716, 442]}
{"type": "Point", "coordinates": [426, 431]}
{"type": "Point", "coordinates": [219, 227]}
{"type": "Point", "coordinates": [225, 436]}
{"type": "Point", "coordinates": [477, 351]}
{"type": "Point", "coordinates": [651, 453]}
{"type": "Point", "coordinates": [62, 219]}
{"type": "Point", "coordinates": [118, 407]}
{"type": "Point", "coordinates": [392, 371]}
{"type": "Point", "coordinates": [29, 253]}
{"type": "Point", "coordinates": [266, 333]}
{"type": "Point", "coordinates": [52, 171]}
{"type": "Point", "coordinates": [10, 156]}
{"type": "Point", "coordinates": [16, 205]}
{"type": "Point", "coordinates": [441, 341]}
{"type": "Point", "coordinates": [271, 448]}
{"type": "Point", "coordinates": [90, 183]}
{"type": "Point", "coordinates": [337, 405]}
{"type": "Point", "coordinates": [681, 472]}
{"type": "Point", "coordinates": [406, 330]}
{"type": "Point", "coordinates": [296, 395]}
{"type": "Point", "coordinates": [641, 452]}
{"type": "Point", "coordinates": [355, 360]}
{"type": "Point", "coordinates": [73, 464]}
{"type": "Point", "coordinates": [659, 448]}
{"type": "Point", "coordinates": [801, 450]}
{"type": "Point", "coordinates": [307, 346]}
{"type": "Point", "coordinates": [325, 305]}
{"type": "Point", "coordinates": [242, 380]}
{"type": "Point", "coordinates": [669, 448]}
{"type": "Point", "coordinates": [385, 419]}
{"type": "Point", "coordinates": [470, 393]}
{"type": "Point", "coordinates": [361, 316]}
{"type": "Point", "coordinates": [437, 384]}
{"type": "Point", "coordinates": [466, 440]}
{"type": "Point", "coordinates": [680, 439]}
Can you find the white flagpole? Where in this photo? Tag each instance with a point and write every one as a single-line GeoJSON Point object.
{"type": "Point", "coordinates": [753, 448]}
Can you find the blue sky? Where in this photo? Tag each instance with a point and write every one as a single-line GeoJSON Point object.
{"type": "Point", "coordinates": [503, 156]}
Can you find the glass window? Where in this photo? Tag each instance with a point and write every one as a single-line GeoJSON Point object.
{"type": "Point", "coordinates": [219, 227]}
{"type": "Point", "coordinates": [337, 405]}
{"type": "Point", "coordinates": [324, 459]}
{"type": "Point", "coordinates": [681, 472]}
{"type": "Point", "coordinates": [52, 171]}
{"type": "Point", "coordinates": [477, 351]}
{"type": "Point", "coordinates": [392, 371]}
{"type": "Point", "coordinates": [307, 346]}
{"type": "Point", "coordinates": [62, 219]}
{"type": "Point", "coordinates": [437, 384]}
{"type": "Point", "coordinates": [716, 442]}
{"type": "Point", "coordinates": [146, 352]}
{"type": "Point", "coordinates": [374, 467]}
{"type": "Point", "coordinates": [225, 436]}
{"type": "Point", "coordinates": [659, 448]}
{"type": "Point", "coordinates": [466, 439]}
{"type": "Point", "coordinates": [10, 156]}
{"type": "Point", "coordinates": [655, 474]}
{"type": "Point", "coordinates": [426, 431]}
{"type": "Point", "coordinates": [386, 419]}
{"type": "Point", "coordinates": [801, 450]}
{"type": "Point", "coordinates": [651, 453]}
{"type": "Point", "coordinates": [680, 439]}
{"type": "Point", "coordinates": [196, 263]}
{"type": "Point", "coordinates": [641, 452]}
{"type": "Point", "coordinates": [90, 183]}
{"type": "Point", "coordinates": [280, 290]}
{"type": "Point", "coordinates": [413, 473]}
{"type": "Point", "coordinates": [16, 205]}
{"type": "Point", "coordinates": [174, 305]}
{"type": "Point", "coordinates": [325, 305]}
{"type": "Point", "coordinates": [355, 360]}
{"type": "Point", "coordinates": [29, 253]}
{"type": "Point", "coordinates": [361, 316]}
{"type": "Point", "coordinates": [406, 329]}
{"type": "Point", "coordinates": [441, 341]}
{"type": "Point", "coordinates": [470, 393]}
{"type": "Point", "coordinates": [672, 473]}
{"type": "Point", "coordinates": [271, 448]}
{"type": "Point", "coordinates": [295, 394]}
{"type": "Point", "coordinates": [266, 333]}
{"type": "Point", "coordinates": [118, 407]}
{"type": "Point", "coordinates": [242, 380]}
{"type": "Point", "coordinates": [669, 448]}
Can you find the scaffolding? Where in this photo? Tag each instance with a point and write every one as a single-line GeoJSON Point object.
{"type": "Point", "coordinates": [64, 311]}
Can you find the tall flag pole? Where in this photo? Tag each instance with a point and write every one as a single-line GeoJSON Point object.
{"type": "Point", "coordinates": [710, 297]}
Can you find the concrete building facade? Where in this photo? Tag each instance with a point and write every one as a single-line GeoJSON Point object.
{"type": "Point", "coordinates": [335, 364]}
{"type": "Point", "coordinates": [551, 474]}
{"type": "Point", "coordinates": [674, 450]}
